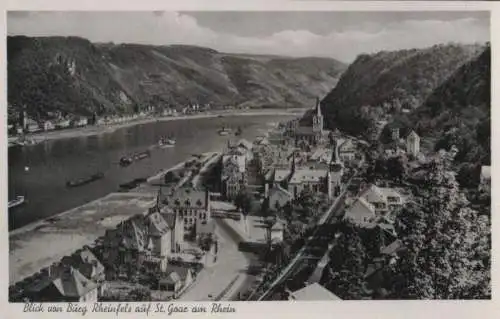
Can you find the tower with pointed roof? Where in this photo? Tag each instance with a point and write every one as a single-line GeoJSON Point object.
{"type": "Point", "coordinates": [335, 171]}
{"type": "Point", "coordinates": [318, 118]}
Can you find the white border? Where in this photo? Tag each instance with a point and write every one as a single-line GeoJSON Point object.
{"type": "Point", "coordinates": [342, 309]}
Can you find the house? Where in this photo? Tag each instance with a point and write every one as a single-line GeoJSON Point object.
{"type": "Point", "coordinates": [68, 286]}
{"type": "Point", "coordinates": [277, 231]}
{"type": "Point", "coordinates": [485, 179]}
{"type": "Point", "coordinates": [48, 126]}
{"type": "Point", "coordinates": [191, 205]}
{"type": "Point", "coordinates": [31, 126]}
{"type": "Point", "coordinates": [347, 151]}
{"type": "Point", "coordinates": [86, 263]}
{"type": "Point", "coordinates": [413, 144]}
{"type": "Point", "coordinates": [361, 212]}
{"type": "Point", "coordinates": [80, 122]}
{"type": "Point", "coordinates": [395, 134]}
{"type": "Point", "coordinates": [383, 199]}
{"type": "Point", "coordinates": [63, 124]}
{"type": "Point", "coordinates": [313, 292]}
{"type": "Point", "coordinates": [176, 280]}
{"type": "Point", "coordinates": [279, 197]}
{"type": "Point", "coordinates": [159, 239]}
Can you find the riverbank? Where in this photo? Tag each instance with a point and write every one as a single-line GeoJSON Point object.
{"type": "Point", "coordinates": [68, 231]}
{"type": "Point", "coordinates": [103, 129]}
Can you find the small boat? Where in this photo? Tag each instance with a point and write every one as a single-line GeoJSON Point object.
{"type": "Point", "coordinates": [16, 202]}
{"type": "Point", "coordinates": [224, 131]}
{"type": "Point", "coordinates": [84, 181]}
{"type": "Point", "coordinates": [127, 160]}
{"type": "Point", "coordinates": [166, 142]}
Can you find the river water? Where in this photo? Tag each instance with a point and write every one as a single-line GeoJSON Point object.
{"type": "Point", "coordinates": [54, 162]}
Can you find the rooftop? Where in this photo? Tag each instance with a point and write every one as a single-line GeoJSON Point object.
{"type": "Point", "coordinates": [308, 175]}
{"type": "Point", "coordinates": [313, 292]}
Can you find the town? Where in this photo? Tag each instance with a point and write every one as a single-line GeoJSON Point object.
{"type": "Point", "coordinates": [308, 213]}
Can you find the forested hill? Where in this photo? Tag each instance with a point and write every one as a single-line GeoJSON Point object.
{"type": "Point", "coordinates": [458, 112]}
{"type": "Point", "coordinates": [382, 85]}
{"type": "Point", "coordinates": [75, 76]}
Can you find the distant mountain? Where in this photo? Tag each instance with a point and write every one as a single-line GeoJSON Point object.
{"type": "Point", "coordinates": [74, 76]}
{"type": "Point", "coordinates": [382, 85]}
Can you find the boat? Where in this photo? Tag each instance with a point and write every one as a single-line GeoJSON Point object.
{"type": "Point", "coordinates": [166, 142]}
{"type": "Point", "coordinates": [224, 131]}
{"type": "Point", "coordinates": [16, 202]}
{"type": "Point", "coordinates": [142, 155]}
{"type": "Point", "coordinates": [132, 184]}
{"type": "Point", "coordinates": [86, 180]}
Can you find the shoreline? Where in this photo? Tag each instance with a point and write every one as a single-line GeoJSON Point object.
{"type": "Point", "coordinates": [96, 130]}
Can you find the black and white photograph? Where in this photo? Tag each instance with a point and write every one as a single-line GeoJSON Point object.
{"type": "Point", "coordinates": [224, 156]}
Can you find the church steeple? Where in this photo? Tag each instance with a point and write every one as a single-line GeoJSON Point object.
{"type": "Point", "coordinates": [318, 107]}
{"type": "Point", "coordinates": [318, 118]}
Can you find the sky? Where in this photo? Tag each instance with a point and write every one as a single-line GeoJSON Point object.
{"type": "Point", "coordinates": [340, 35]}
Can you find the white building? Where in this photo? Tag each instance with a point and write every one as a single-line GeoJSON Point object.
{"type": "Point", "coordinates": [485, 179]}
{"type": "Point", "coordinates": [413, 144]}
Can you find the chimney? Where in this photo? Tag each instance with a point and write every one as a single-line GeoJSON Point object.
{"type": "Point", "coordinates": [266, 190]}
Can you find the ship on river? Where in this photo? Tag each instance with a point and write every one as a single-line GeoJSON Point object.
{"type": "Point", "coordinates": [86, 180]}
{"type": "Point", "coordinates": [19, 200]}
{"type": "Point", "coordinates": [127, 160]}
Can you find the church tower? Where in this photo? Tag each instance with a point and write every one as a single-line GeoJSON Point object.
{"type": "Point", "coordinates": [335, 173]}
{"type": "Point", "coordinates": [318, 118]}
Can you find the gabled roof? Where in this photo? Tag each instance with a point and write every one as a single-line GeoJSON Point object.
{"type": "Point", "coordinates": [392, 248]}
{"type": "Point", "coordinates": [412, 135]}
{"type": "Point", "coordinates": [73, 284]}
{"type": "Point", "coordinates": [308, 175]}
{"type": "Point", "coordinates": [373, 194]}
{"type": "Point", "coordinates": [177, 271]}
{"type": "Point", "coordinates": [157, 224]}
{"type": "Point", "coordinates": [186, 197]}
{"type": "Point", "coordinates": [281, 174]}
{"type": "Point", "coordinates": [313, 292]}
{"type": "Point", "coordinates": [363, 203]}
{"type": "Point", "coordinates": [280, 190]}
{"type": "Point", "coordinates": [85, 262]}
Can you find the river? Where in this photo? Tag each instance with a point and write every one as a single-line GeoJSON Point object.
{"type": "Point", "coordinates": [52, 163]}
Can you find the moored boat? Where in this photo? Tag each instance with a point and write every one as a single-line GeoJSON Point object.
{"type": "Point", "coordinates": [84, 181]}
{"type": "Point", "coordinates": [19, 200]}
{"type": "Point", "coordinates": [224, 131]}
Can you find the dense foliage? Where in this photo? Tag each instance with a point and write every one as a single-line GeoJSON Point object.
{"type": "Point", "coordinates": [385, 83]}
{"type": "Point", "coordinates": [75, 76]}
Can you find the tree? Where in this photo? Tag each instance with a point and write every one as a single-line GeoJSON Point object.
{"type": "Point", "coordinates": [447, 243]}
{"type": "Point", "coordinates": [345, 272]}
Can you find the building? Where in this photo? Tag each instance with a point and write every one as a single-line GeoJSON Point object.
{"type": "Point", "coordinates": [361, 212]}
{"type": "Point", "coordinates": [176, 281]}
{"type": "Point", "coordinates": [86, 263]}
{"type": "Point", "coordinates": [313, 292]}
{"type": "Point", "coordinates": [48, 126]}
{"type": "Point", "coordinates": [485, 179]}
{"type": "Point", "coordinates": [31, 126]}
{"type": "Point", "coordinates": [193, 206]}
{"type": "Point", "coordinates": [176, 224]}
{"type": "Point", "coordinates": [159, 239]}
{"type": "Point", "coordinates": [297, 179]}
{"type": "Point", "coordinates": [234, 168]}
{"type": "Point", "coordinates": [314, 133]}
{"type": "Point", "coordinates": [67, 286]}
{"type": "Point", "coordinates": [278, 196]}
{"type": "Point", "coordinates": [347, 151]}
{"type": "Point", "coordinates": [384, 199]}
{"type": "Point", "coordinates": [80, 122]}
{"type": "Point", "coordinates": [63, 124]}
{"type": "Point", "coordinates": [277, 231]}
{"type": "Point", "coordinates": [413, 144]}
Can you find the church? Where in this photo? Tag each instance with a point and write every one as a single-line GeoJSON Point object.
{"type": "Point", "coordinates": [313, 132]}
